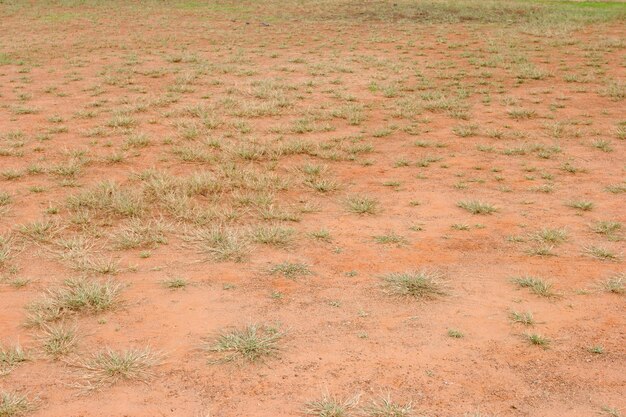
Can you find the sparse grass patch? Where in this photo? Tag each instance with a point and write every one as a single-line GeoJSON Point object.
{"type": "Point", "coordinates": [290, 270]}
{"type": "Point", "coordinates": [607, 228]}
{"type": "Point", "coordinates": [421, 284]}
{"type": "Point", "coordinates": [465, 130]}
{"type": "Point", "coordinates": [220, 242]}
{"type": "Point", "coordinates": [362, 204]}
{"type": "Point", "coordinates": [525, 318]}
{"type": "Point", "coordinates": [581, 205]}
{"type": "Point", "coordinates": [537, 340]}
{"type": "Point", "coordinates": [274, 235]}
{"type": "Point", "coordinates": [58, 339]}
{"type": "Point", "coordinates": [601, 253]}
{"type": "Point", "coordinates": [109, 366]}
{"type": "Point", "coordinates": [78, 295]}
{"type": "Point", "coordinates": [541, 250]}
{"type": "Point", "coordinates": [477, 207]}
{"type": "Point", "coordinates": [10, 357]}
{"type": "Point", "coordinates": [322, 234]}
{"type": "Point", "coordinates": [384, 406]}
{"type": "Point", "coordinates": [330, 406]}
{"type": "Point", "coordinates": [615, 284]}
{"type": "Point", "coordinates": [14, 405]}
{"type": "Point", "coordinates": [175, 283]}
{"type": "Point", "coordinates": [554, 236]}
{"type": "Point", "coordinates": [391, 238]}
{"type": "Point", "coordinates": [455, 334]}
{"type": "Point", "coordinates": [137, 233]}
{"type": "Point", "coordinates": [253, 343]}
{"type": "Point", "coordinates": [536, 285]}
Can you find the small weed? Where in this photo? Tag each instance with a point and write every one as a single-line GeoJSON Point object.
{"type": "Point", "coordinates": [538, 340]}
{"type": "Point", "coordinates": [455, 334]}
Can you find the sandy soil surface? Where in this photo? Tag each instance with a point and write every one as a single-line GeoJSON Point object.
{"type": "Point", "coordinates": [416, 118]}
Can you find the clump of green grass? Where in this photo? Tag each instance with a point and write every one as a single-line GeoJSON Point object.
{"type": "Point", "coordinates": [536, 285]}
{"type": "Point", "coordinates": [6, 249]}
{"type": "Point", "coordinates": [58, 339]}
{"type": "Point", "coordinates": [421, 284]}
{"type": "Point", "coordinates": [140, 234]}
{"type": "Point", "coordinates": [5, 199]}
{"type": "Point", "coordinates": [362, 204]}
{"type": "Point", "coordinates": [386, 407]}
{"type": "Point", "coordinates": [390, 238]}
{"type": "Point", "coordinates": [108, 367]}
{"type": "Point", "coordinates": [290, 270]}
{"type": "Point", "coordinates": [541, 250]}
{"type": "Point", "coordinates": [108, 198]}
{"type": "Point", "coordinates": [455, 334]}
{"type": "Point", "coordinates": [616, 188]}
{"type": "Point", "coordinates": [322, 234]}
{"type": "Point", "coordinates": [78, 295]}
{"type": "Point", "coordinates": [537, 340]}
{"type": "Point", "coordinates": [608, 228]}
{"type": "Point", "coordinates": [10, 357]}
{"type": "Point", "coordinates": [477, 207]}
{"type": "Point", "coordinates": [525, 318]}
{"type": "Point", "coordinates": [40, 231]}
{"type": "Point", "coordinates": [597, 349]}
{"type": "Point", "coordinates": [220, 242]}
{"type": "Point", "coordinates": [330, 406]}
{"type": "Point", "coordinates": [601, 253]}
{"type": "Point", "coordinates": [322, 185]}
{"type": "Point", "coordinates": [175, 283]}
{"type": "Point", "coordinates": [14, 405]}
{"type": "Point", "coordinates": [554, 236]}
{"type": "Point", "coordinates": [465, 130]}
{"type": "Point", "coordinates": [251, 344]}
{"type": "Point", "coordinates": [581, 205]}
{"type": "Point", "coordinates": [273, 235]}
{"type": "Point", "coordinates": [615, 284]}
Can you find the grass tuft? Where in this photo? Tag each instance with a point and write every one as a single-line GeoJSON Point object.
{"type": "Point", "coordinates": [362, 204]}
{"type": "Point", "coordinates": [330, 406]}
{"type": "Point", "coordinates": [477, 207]}
{"type": "Point", "coordinates": [421, 284]}
{"type": "Point", "coordinates": [108, 367]}
{"type": "Point", "coordinates": [78, 295]}
{"type": "Point", "coordinates": [290, 270]}
{"type": "Point", "coordinates": [386, 407]}
{"type": "Point", "coordinates": [536, 285]}
{"type": "Point", "coordinates": [13, 405]}
{"type": "Point", "coordinates": [251, 344]}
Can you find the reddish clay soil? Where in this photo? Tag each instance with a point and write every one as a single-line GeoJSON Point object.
{"type": "Point", "coordinates": [344, 333]}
